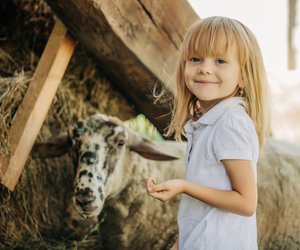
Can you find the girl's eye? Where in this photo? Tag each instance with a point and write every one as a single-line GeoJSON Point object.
{"type": "Point", "coordinates": [220, 61]}
{"type": "Point", "coordinates": [196, 59]}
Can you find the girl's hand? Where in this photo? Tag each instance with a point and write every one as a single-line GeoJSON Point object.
{"type": "Point", "coordinates": [166, 190]}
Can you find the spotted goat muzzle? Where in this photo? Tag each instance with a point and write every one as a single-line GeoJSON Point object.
{"type": "Point", "coordinates": [86, 203]}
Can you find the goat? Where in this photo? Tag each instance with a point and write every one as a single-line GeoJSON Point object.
{"type": "Point", "coordinates": [109, 167]}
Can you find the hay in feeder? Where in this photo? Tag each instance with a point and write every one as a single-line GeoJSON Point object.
{"type": "Point", "coordinates": [12, 90]}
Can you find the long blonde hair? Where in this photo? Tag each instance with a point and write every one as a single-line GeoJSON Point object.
{"type": "Point", "coordinates": [214, 36]}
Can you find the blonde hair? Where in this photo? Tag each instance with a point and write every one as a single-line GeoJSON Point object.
{"type": "Point", "coordinates": [214, 36]}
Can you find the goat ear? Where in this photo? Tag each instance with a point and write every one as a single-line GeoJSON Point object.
{"type": "Point", "coordinates": [148, 149]}
{"type": "Point", "coordinates": [55, 146]}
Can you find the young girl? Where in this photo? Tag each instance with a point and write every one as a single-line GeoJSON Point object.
{"type": "Point", "coordinates": [221, 108]}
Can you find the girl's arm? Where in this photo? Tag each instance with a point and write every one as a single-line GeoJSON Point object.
{"type": "Point", "coordinates": [242, 199]}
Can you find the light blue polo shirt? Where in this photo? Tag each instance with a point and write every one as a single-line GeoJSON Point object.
{"type": "Point", "coordinates": [224, 132]}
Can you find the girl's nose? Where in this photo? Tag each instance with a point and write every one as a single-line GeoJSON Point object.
{"type": "Point", "coordinates": [205, 68]}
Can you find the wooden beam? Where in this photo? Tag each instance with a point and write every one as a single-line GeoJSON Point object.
{"type": "Point", "coordinates": [36, 103]}
{"type": "Point", "coordinates": [134, 41]}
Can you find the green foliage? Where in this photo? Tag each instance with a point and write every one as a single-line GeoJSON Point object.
{"type": "Point", "coordinates": [144, 127]}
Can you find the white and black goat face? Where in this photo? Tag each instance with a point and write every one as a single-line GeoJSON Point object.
{"type": "Point", "coordinates": [100, 143]}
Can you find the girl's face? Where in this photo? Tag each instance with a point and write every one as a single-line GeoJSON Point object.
{"type": "Point", "coordinates": [211, 78]}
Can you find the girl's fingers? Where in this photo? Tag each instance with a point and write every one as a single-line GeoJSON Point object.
{"type": "Point", "coordinates": [157, 187]}
{"type": "Point", "coordinates": [151, 182]}
{"type": "Point", "coordinates": [155, 190]}
{"type": "Point", "coordinates": [157, 195]}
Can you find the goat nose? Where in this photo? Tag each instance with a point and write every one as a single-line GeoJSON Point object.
{"type": "Point", "coordinates": [84, 198]}
{"type": "Point", "coordinates": [84, 192]}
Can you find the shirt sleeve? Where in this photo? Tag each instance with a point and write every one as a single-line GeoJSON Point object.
{"type": "Point", "coordinates": [235, 138]}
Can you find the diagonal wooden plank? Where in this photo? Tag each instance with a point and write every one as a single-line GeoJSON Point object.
{"type": "Point", "coordinates": [36, 103]}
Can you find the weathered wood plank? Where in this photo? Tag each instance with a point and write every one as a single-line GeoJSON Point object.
{"type": "Point", "coordinates": [135, 42]}
{"type": "Point", "coordinates": [36, 103]}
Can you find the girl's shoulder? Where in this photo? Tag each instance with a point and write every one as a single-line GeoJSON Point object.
{"type": "Point", "coordinates": [235, 136]}
{"type": "Point", "coordinates": [236, 120]}
{"type": "Point", "coordinates": [236, 116]}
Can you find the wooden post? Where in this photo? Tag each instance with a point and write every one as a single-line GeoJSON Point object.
{"type": "Point", "coordinates": [36, 103]}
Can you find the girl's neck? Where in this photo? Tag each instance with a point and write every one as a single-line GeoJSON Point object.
{"type": "Point", "coordinates": [207, 105]}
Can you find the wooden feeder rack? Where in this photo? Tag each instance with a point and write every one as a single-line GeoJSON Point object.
{"type": "Point", "coordinates": [36, 103]}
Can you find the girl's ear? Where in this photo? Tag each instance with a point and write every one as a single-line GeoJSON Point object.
{"type": "Point", "coordinates": [241, 82]}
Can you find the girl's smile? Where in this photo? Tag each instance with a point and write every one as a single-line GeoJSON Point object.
{"type": "Point", "coordinates": [203, 81]}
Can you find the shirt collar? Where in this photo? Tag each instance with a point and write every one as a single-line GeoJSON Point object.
{"type": "Point", "coordinates": [210, 117]}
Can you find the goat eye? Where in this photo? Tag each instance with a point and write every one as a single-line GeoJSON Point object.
{"type": "Point", "coordinates": [121, 143]}
{"type": "Point", "coordinates": [79, 131]}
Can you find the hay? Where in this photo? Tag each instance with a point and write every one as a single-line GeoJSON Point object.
{"type": "Point", "coordinates": [12, 90]}
{"type": "Point", "coordinates": [95, 88]}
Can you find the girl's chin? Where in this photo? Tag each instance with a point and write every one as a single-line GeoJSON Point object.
{"type": "Point", "coordinates": [208, 99]}
{"type": "Point", "coordinates": [213, 98]}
